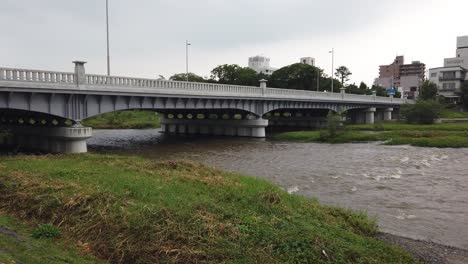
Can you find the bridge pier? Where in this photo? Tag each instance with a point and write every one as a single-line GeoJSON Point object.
{"type": "Point", "coordinates": [388, 114]}
{"type": "Point", "coordinates": [370, 115]}
{"type": "Point", "coordinates": [240, 128]}
{"type": "Point", "coordinates": [49, 139]}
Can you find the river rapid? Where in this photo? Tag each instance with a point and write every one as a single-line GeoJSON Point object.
{"type": "Point", "coordinates": [420, 193]}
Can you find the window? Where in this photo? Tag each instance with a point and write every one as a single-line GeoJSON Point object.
{"type": "Point", "coordinates": [449, 75]}
{"type": "Point", "coordinates": [448, 86]}
{"type": "Point", "coordinates": [434, 74]}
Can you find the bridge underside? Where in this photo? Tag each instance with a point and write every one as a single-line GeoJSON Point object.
{"type": "Point", "coordinates": [50, 122]}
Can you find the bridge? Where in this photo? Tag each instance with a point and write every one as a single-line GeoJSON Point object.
{"type": "Point", "coordinates": [43, 109]}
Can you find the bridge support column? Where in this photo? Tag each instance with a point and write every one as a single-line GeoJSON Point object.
{"type": "Point", "coordinates": [388, 114]}
{"type": "Point", "coordinates": [370, 115]}
{"type": "Point", "coordinates": [50, 139]}
{"type": "Point", "coordinates": [241, 128]}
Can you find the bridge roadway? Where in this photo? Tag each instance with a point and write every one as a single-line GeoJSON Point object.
{"type": "Point", "coordinates": [43, 109]}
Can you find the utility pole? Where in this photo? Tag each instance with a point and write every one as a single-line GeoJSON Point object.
{"type": "Point", "coordinates": [333, 67]}
{"type": "Point", "coordinates": [187, 44]}
{"type": "Point", "coordinates": [318, 79]}
{"type": "Point", "coordinates": [107, 26]}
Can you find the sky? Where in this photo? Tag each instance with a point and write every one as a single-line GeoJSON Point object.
{"type": "Point", "coordinates": [148, 36]}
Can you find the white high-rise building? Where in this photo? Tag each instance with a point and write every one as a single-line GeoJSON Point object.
{"type": "Point", "coordinates": [308, 60]}
{"type": "Point", "coordinates": [450, 78]}
{"type": "Point", "coordinates": [261, 64]}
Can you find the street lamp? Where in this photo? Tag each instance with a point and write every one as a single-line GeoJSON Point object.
{"type": "Point", "coordinates": [333, 67]}
{"type": "Point", "coordinates": [187, 44]}
{"type": "Point", "coordinates": [107, 27]}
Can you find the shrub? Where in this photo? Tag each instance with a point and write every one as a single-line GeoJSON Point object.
{"type": "Point", "coordinates": [333, 124]}
{"type": "Point", "coordinates": [46, 231]}
{"type": "Point", "coordinates": [422, 112]}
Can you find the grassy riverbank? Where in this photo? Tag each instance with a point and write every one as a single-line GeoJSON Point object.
{"type": "Point", "coordinates": [436, 135]}
{"type": "Point", "coordinates": [22, 244]}
{"type": "Point", "coordinates": [134, 210]}
{"type": "Point", "coordinates": [135, 119]}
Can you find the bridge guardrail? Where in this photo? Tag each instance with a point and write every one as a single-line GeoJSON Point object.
{"type": "Point", "coordinates": [24, 75]}
{"type": "Point", "coordinates": [10, 74]}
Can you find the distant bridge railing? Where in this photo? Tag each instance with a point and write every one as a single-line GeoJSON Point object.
{"type": "Point", "coordinates": [109, 83]}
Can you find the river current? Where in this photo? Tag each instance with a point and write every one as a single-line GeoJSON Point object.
{"type": "Point", "coordinates": [421, 193]}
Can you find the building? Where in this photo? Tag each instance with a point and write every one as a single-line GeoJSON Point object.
{"type": "Point", "coordinates": [261, 64]}
{"type": "Point", "coordinates": [406, 78]}
{"type": "Point", "coordinates": [308, 60]}
{"type": "Point", "coordinates": [451, 77]}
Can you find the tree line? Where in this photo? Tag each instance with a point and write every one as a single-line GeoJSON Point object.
{"type": "Point", "coordinates": [297, 76]}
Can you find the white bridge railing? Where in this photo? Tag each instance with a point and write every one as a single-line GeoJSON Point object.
{"type": "Point", "coordinates": [119, 83]}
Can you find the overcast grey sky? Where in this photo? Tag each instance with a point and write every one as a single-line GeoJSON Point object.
{"type": "Point", "coordinates": [148, 36]}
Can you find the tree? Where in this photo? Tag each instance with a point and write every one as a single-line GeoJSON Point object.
{"type": "Point", "coordinates": [343, 73]}
{"type": "Point", "coordinates": [354, 89]}
{"type": "Point", "coordinates": [234, 74]}
{"type": "Point", "coordinates": [297, 76]}
{"type": "Point", "coordinates": [422, 112]}
{"type": "Point", "coordinates": [380, 90]}
{"type": "Point", "coordinates": [183, 77]}
{"type": "Point", "coordinates": [464, 94]}
{"type": "Point", "coordinates": [428, 91]}
{"type": "Point", "coordinates": [363, 87]}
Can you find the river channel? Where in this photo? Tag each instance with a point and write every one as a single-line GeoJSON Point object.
{"type": "Point", "coordinates": [420, 193]}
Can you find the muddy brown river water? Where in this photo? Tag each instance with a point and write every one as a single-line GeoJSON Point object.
{"type": "Point", "coordinates": [420, 193]}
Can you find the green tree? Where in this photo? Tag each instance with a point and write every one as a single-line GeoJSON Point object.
{"type": "Point", "coordinates": [363, 87]}
{"type": "Point", "coordinates": [422, 112]}
{"type": "Point", "coordinates": [380, 90]}
{"type": "Point", "coordinates": [354, 89]}
{"type": "Point", "coordinates": [343, 74]}
{"type": "Point", "coordinates": [464, 94]}
{"type": "Point", "coordinates": [183, 77]}
{"type": "Point", "coordinates": [297, 76]}
{"type": "Point", "coordinates": [428, 91]}
{"type": "Point", "coordinates": [235, 74]}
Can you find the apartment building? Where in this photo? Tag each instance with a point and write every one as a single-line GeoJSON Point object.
{"type": "Point", "coordinates": [451, 77]}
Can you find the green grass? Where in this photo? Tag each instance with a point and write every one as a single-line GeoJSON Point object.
{"type": "Point", "coordinates": [392, 126]}
{"type": "Point", "coordinates": [423, 138]}
{"type": "Point", "coordinates": [446, 113]}
{"type": "Point", "coordinates": [135, 119]}
{"type": "Point", "coordinates": [134, 210]}
{"type": "Point", "coordinates": [17, 245]}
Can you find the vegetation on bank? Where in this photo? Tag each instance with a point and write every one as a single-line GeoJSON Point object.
{"type": "Point", "coordinates": [413, 137]}
{"type": "Point", "coordinates": [134, 119]}
{"type": "Point", "coordinates": [133, 210]}
{"type": "Point", "coordinates": [18, 244]}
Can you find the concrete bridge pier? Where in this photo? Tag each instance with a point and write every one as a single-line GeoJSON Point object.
{"type": "Point", "coordinates": [49, 139]}
{"type": "Point", "coordinates": [388, 114]}
{"type": "Point", "coordinates": [240, 128]}
{"type": "Point", "coordinates": [370, 115]}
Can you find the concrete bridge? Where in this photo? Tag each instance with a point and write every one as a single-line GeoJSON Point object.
{"type": "Point", "coordinates": [43, 109]}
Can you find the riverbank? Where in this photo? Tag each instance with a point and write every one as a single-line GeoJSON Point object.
{"type": "Point", "coordinates": [453, 135]}
{"type": "Point", "coordinates": [19, 243]}
{"type": "Point", "coordinates": [129, 209]}
{"type": "Point", "coordinates": [135, 119]}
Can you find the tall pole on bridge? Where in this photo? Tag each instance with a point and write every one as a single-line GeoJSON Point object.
{"type": "Point", "coordinates": [107, 28]}
{"type": "Point", "coordinates": [187, 44]}
{"type": "Point", "coordinates": [333, 67]}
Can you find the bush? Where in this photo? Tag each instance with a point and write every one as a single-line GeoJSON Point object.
{"type": "Point", "coordinates": [46, 231]}
{"type": "Point", "coordinates": [422, 112]}
{"type": "Point", "coordinates": [333, 124]}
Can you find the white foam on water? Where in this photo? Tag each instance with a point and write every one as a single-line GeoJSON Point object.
{"type": "Point", "coordinates": [293, 189]}
{"type": "Point", "coordinates": [405, 160]}
{"type": "Point", "coordinates": [354, 189]}
{"type": "Point", "coordinates": [425, 163]}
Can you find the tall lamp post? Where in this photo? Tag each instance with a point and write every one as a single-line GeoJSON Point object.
{"type": "Point", "coordinates": [187, 44]}
{"type": "Point", "coordinates": [107, 27]}
{"type": "Point", "coordinates": [333, 67]}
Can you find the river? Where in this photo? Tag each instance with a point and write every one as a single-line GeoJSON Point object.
{"type": "Point", "coordinates": [420, 193]}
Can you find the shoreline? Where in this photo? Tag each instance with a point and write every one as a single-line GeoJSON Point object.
{"type": "Point", "coordinates": [425, 251]}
